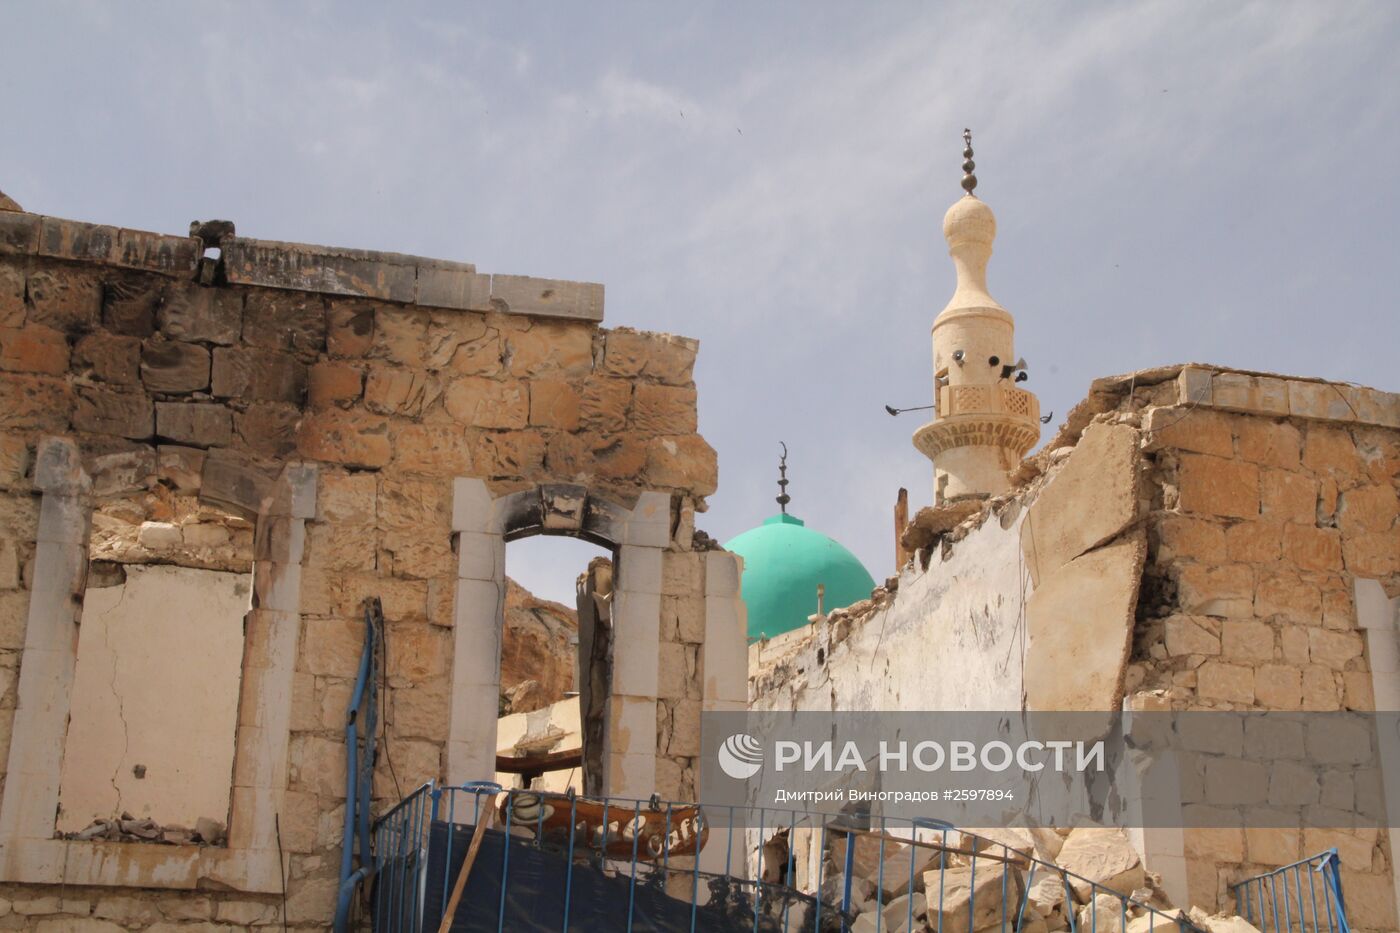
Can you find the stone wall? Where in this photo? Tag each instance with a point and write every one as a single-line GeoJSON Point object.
{"type": "Point", "coordinates": [1272, 499]}
{"type": "Point", "coordinates": [1192, 539]}
{"type": "Point", "coordinates": [334, 400]}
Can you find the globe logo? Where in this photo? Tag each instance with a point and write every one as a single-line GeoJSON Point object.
{"type": "Point", "coordinates": [741, 756]}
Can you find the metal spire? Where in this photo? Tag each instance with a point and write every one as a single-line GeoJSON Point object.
{"type": "Point", "coordinates": [969, 180]}
{"type": "Point", "coordinates": [783, 497]}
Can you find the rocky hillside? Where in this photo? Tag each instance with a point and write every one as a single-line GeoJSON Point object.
{"type": "Point", "coordinates": [537, 651]}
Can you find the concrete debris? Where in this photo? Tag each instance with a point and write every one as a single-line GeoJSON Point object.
{"type": "Point", "coordinates": [972, 886]}
{"type": "Point", "coordinates": [127, 828]}
{"type": "Point", "coordinates": [933, 522]}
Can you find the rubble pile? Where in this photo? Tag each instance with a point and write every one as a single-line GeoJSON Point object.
{"type": "Point", "coordinates": [978, 883]}
{"type": "Point", "coordinates": [127, 828]}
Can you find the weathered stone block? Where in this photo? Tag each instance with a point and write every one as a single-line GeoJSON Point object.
{"type": "Point", "coordinates": [12, 309]}
{"type": "Point", "coordinates": [485, 403]}
{"type": "Point", "coordinates": [662, 357]}
{"type": "Point", "coordinates": [453, 286]}
{"type": "Point", "coordinates": [554, 405]}
{"type": "Point", "coordinates": [392, 391]}
{"type": "Point", "coordinates": [109, 357]}
{"type": "Point", "coordinates": [33, 349]}
{"type": "Point", "coordinates": [323, 269]}
{"type": "Point", "coordinates": [129, 306]}
{"type": "Point", "coordinates": [1255, 394]}
{"type": "Point", "coordinates": [1288, 597]}
{"type": "Point", "coordinates": [972, 899]}
{"type": "Point", "coordinates": [1233, 683]}
{"type": "Point", "coordinates": [349, 329]}
{"type": "Point", "coordinates": [1187, 634]}
{"type": "Point", "coordinates": [1216, 486]}
{"type": "Point", "coordinates": [1329, 450]}
{"type": "Point", "coordinates": [1195, 429]}
{"type": "Point", "coordinates": [548, 348]}
{"type": "Point", "coordinates": [1081, 616]}
{"type": "Point", "coordinates": [434, 448]}
{"type": "Point", "coordinates": [333, 383]}
{"type": "Point", "coordinates": [1310, 548]}
{"type": "Point", "coordinates": [233, 482]}
{"type": "Point", "coordinates": [348, 498]}
{"type": "Point", "coordinates": [1254, 542]}
{"type": "Point", "coordinates": [350, 437]}
{"type": "Point", "coordinates": [175, 367]}
{"type": "Point", "coordinates": [682, 462]}
{"type": "Point", "coordinates": [1369, 509]}
{"type": "Point", "coordinates": [276, 320]}
{"type": "Point", "coordinates": [662, 409]}
{"type": "Point", "coordinates": [196, 425]}
{"type": "Point", "coordinates": [180, 467]}
{"type": "Point", "coordinates": [1278, 686]}
{"type": "Point", "coordinates": [1320, 691]}
{"type": "Point", "coordinates": [1188, 537]}
{"type": "Point", "coordinates": [1333, 649]}
{"type": "Point", "coordinates": [1324, 401]}
{"type": "Point", "coordinates": [1340, 740]}
{"type": "Point", "coordinates": [258, 375]}
{"type": "Point", "coordinates": [108, 411]}
{"type": "Point", "coordinates": [1103, 856]}
{"type": "Point", "coordinates": [1372, 555]}
{"type": "Point", "coordinates": [268, 429]}
{"type": "Point", "coordinates": [194, 314]}
{"type": "Point", "coordinates": [1226, 590]}
{"type": "Point", "coordinates": [521, 294]}
{"type": "Point", "coordinates": [65, 299]}
{"type": "Point", "coordinates": [605, 404]}
{"type": "Point", "coordinates": [1270, 443]}
{"type": "Point", "coordinates": [1090, 500]}
{"type": "Point", "coordinates": [1288, 497]}
{"type": "Point", "coordinates": [1246, 640]}
{"type": "Point", "coordinates": [483, 356]}
{"type": "Point", "coordinates": [512, 453]}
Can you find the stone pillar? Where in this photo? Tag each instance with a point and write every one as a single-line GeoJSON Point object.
{"type": "Point", "coordinates": [272, 632]}
{"type": "Point", "coordinates": [725, 670]}
{"type": "Point", "coordinates": [479, 617]}
{"type": "Point", "coordinates": [629, 735]}
{"type": "Point", "coordinates": [1378, 616]}
{"type": "Point", "coordinates": [50, 645]}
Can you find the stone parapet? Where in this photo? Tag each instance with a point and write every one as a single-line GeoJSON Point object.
{"type": "Point", "coordinates": [326, 270]}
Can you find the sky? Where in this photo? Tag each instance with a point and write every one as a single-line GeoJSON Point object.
{"type": "Point", "coordinates": [1173, 182]}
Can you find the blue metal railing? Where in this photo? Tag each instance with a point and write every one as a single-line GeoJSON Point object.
{"type": "Point", "coordinates": [635, 869]}
{"type": "Point", "coordinates": [1306, 896]}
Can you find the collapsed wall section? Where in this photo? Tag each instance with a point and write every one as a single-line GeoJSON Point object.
{"type": "Point", "coordinates": [1194, 538]}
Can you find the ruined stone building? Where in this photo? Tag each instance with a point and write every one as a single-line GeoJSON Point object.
{"type": "Point", "coordinates": [213, 451]}
{"type": "Point", "coordinates": [216, 452]}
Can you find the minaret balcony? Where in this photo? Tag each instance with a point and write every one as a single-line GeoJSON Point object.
{"type": "Point", "coordinates": [981, 415]}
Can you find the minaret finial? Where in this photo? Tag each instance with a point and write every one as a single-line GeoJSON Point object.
{"type": "Point", "coordinates": [783, 497]}
{"type": "Point", "coordinates": [969, 180]}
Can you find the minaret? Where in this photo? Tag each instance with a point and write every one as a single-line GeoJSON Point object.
{"type": "Point", "coordinates": [982, 423]}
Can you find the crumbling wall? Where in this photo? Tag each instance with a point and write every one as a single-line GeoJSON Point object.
{"type": "Point", "coordinates": [1271, 498]}
{"type": "Point", "coordinates": [181, 374]}
{"type": "Point", "coordinates": [1191, 539]}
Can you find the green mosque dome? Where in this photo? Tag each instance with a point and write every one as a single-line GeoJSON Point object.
{"type": "Point", "coordinates": [783, 562]}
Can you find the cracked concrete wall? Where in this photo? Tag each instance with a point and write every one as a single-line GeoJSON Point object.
{"type": "Point", "coordinates": [185, 379]}
{"type": "Point", "coordinates": [155, 692]}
